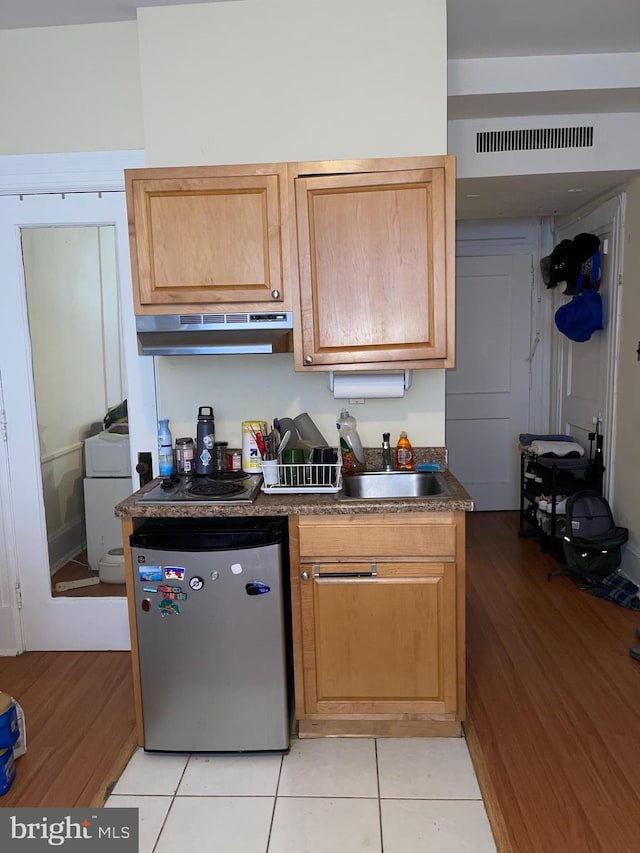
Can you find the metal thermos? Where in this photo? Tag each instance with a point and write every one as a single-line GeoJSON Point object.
{"type": "Point", "coordinates": [205, 438]}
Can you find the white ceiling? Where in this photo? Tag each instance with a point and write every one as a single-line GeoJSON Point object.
{"type": "Point", "coordinates": [476, 29]}
{"type": "Point", "coordinates": [484, 28]}
{"type": "Point", "coordinates": [533, 195]}
{"type": "Point", "coordinates": [15, 14]}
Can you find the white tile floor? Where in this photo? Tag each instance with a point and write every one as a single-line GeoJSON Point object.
{"type": "Point", "coordinates": [330, 795]}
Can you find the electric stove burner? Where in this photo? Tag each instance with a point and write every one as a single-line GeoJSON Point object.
{"type": "Point", "coordinates": [214, 488]}
{"type": "Point", "coordinates": [227, 475]}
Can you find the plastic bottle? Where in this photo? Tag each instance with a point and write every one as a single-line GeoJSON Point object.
{"type": "Point", "coordinates": [165, 448]}
{"type": "Point", "coordinates": [348, 431]}
{"type": "Point", "coordinates": [404, 453]}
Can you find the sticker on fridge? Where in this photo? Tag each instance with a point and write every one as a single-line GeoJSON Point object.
{"type": "Point", "coordinates": [173, 573]}
{"type": "Point", "coordinates": [150, 573]}
{"type": "Point", "coordinates": [168, 607]}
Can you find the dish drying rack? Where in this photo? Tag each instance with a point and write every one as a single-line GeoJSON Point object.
{"type": "Point", "coordinates": [303, 478]}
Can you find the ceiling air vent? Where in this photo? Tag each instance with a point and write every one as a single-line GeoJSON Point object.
{"type": "Point", "coordinates": [534, 139]}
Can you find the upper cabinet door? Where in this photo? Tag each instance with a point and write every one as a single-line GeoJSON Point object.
{"type": "Point", "coordinates": [208, 238]}
{"type": "Point", "coordinates": [375, 262]}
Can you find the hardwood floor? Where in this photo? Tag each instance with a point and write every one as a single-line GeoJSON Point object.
{"type": "Point", "coordinates": [80, 724]}
{"type": "Point", "coordinates": [78, 569]}
{"type": "Point", "coordinates": [553, 720]}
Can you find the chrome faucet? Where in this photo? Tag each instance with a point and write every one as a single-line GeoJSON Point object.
{"type": "Point", "coordinates": [387, 460]}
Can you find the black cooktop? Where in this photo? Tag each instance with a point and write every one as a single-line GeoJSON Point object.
{"type": "Point", "coordinates": [226, 487]}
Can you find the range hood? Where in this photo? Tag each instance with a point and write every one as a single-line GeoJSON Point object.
{"type": "Point", "coordinates": [214, 334]}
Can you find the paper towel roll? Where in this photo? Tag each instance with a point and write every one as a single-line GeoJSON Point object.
{"type": "Point", "coordinates": [359, 385]}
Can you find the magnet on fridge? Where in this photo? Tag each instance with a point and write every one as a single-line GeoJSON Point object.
{"type": "Point", "coordinates": [149, 588]}
{"type": "Point", "coordinates": [196, 583]}
{"type": "Point", "coordinates": [168, 607]}
{"type": "Point", "coordinates": [174, 596]}
{"type": "Point", "coordinates": [150, 573]}
{"type": "Point", "coordinates": [173, 573]}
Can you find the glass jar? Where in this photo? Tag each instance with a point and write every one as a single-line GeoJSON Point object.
{"type": "Point", "coordinates": [220, 455]}
{"type": "Point", "coordinates": [185, 456]}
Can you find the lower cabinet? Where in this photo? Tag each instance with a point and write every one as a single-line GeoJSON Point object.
{"type": "Point", "coordinates": [378, 620]}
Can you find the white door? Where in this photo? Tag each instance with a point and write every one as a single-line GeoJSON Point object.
{"type": "Point", "coordinates": [586, 370]}
{"type": "Point", "coordinates": [47, 622]}
{"type": "Point", "coordinates": [488, 392]}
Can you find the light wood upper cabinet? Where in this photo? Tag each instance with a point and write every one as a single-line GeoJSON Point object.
{"type": "Point", "coordinates": [209, 238]}
{"type": "Point", "coordinates": [376, 255]}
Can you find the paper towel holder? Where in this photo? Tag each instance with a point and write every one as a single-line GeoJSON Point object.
{"type": "Point", "coordinates": [370, 385]}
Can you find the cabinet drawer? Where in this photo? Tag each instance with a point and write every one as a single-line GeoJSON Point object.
{"type": "Point", "coordinates": [378, 536]}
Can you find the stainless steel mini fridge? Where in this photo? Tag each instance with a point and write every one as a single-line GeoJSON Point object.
{"type": "Point", "coordinates": [212, 618]}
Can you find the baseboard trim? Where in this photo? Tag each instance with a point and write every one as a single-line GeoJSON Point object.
{"type": "Point", "coordinates": [489, 797]}
{"type": "Point", "coordinates": [379, 728]}
{"type": "Point", "coordinates": [64, 544]}
{"type": "Point", "coordinates": [9, 625]}
{"type": "Point", "coordinates": [630, 567]}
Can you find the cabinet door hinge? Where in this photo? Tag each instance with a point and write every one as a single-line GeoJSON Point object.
{"type": "Point", "coordinates": [18, 595]}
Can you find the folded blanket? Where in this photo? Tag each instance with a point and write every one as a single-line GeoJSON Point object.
{"type": "Point", "coordinates": [615, 587]}
{"type": "Point", "coordinates": [526, 438]}
{"type": "Point", "coordinates": [559, 448]}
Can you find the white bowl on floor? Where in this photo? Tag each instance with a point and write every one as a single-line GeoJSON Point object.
{"type": "Point", "coordinates": [111, 566]}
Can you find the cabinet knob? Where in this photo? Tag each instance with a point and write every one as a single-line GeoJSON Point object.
{"type": "Point", "coordinates": [275, 294]}
{"type": "Point", "coordinates": [305, 576]}
{"type": "Point", "coordinates": [308, 359]}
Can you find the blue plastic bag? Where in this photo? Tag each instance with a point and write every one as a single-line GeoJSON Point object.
{"type": "Point", "coordinates": [580, 317]}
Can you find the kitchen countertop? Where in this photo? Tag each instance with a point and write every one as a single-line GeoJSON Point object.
{"type": "Point", "coordinates": [310, 503]}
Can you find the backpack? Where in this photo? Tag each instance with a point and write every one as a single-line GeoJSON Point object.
{"type": "Point", "coordinates": [592, 543]}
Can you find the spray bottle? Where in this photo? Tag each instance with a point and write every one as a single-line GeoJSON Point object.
{"type": "Point", "coordinates": [165, 448]}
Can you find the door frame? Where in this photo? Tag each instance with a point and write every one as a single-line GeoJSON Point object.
{"type": "Point", "coordinates": [610, 213]}
{"type": "Point", "coordinates": [68, 173]}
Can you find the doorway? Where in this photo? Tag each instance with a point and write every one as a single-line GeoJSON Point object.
{"type": "Point", "coordinates": [73, 313]}
{"type": "Point", "coordinates": [499, 387]}
{"type": "Point", "coordinates": [49, 622]}
{"type": "Point", "coordinates": [586, 372]}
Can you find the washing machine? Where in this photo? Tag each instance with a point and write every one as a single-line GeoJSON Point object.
{"type": "Point", "coordinates": [107, 481]}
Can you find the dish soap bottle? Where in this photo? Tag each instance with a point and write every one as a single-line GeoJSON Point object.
{"type": "Point", "coordinates": [165, 449]}
{"type": "Point", "coordinates": [404, 453]}
{"type": "Point", "coordinates": [350, 444]}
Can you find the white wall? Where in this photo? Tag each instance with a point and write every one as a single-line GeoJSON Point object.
{"type": "Point", "coordinates": [261, 81]}
{"type": "Point", "coordinates": [70, 89]}
{"type": "Point", "coordinates": [250, 81]}
{"type": "Point", "coordinates": [250, 387]}
{"type": "Point", "coordinates": [272, 80]}
{"type": "Point", "coordinates": [627, 473]}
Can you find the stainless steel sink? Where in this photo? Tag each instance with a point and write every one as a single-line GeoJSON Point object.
{"type": "Point", "coordinates": [385, 485]}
